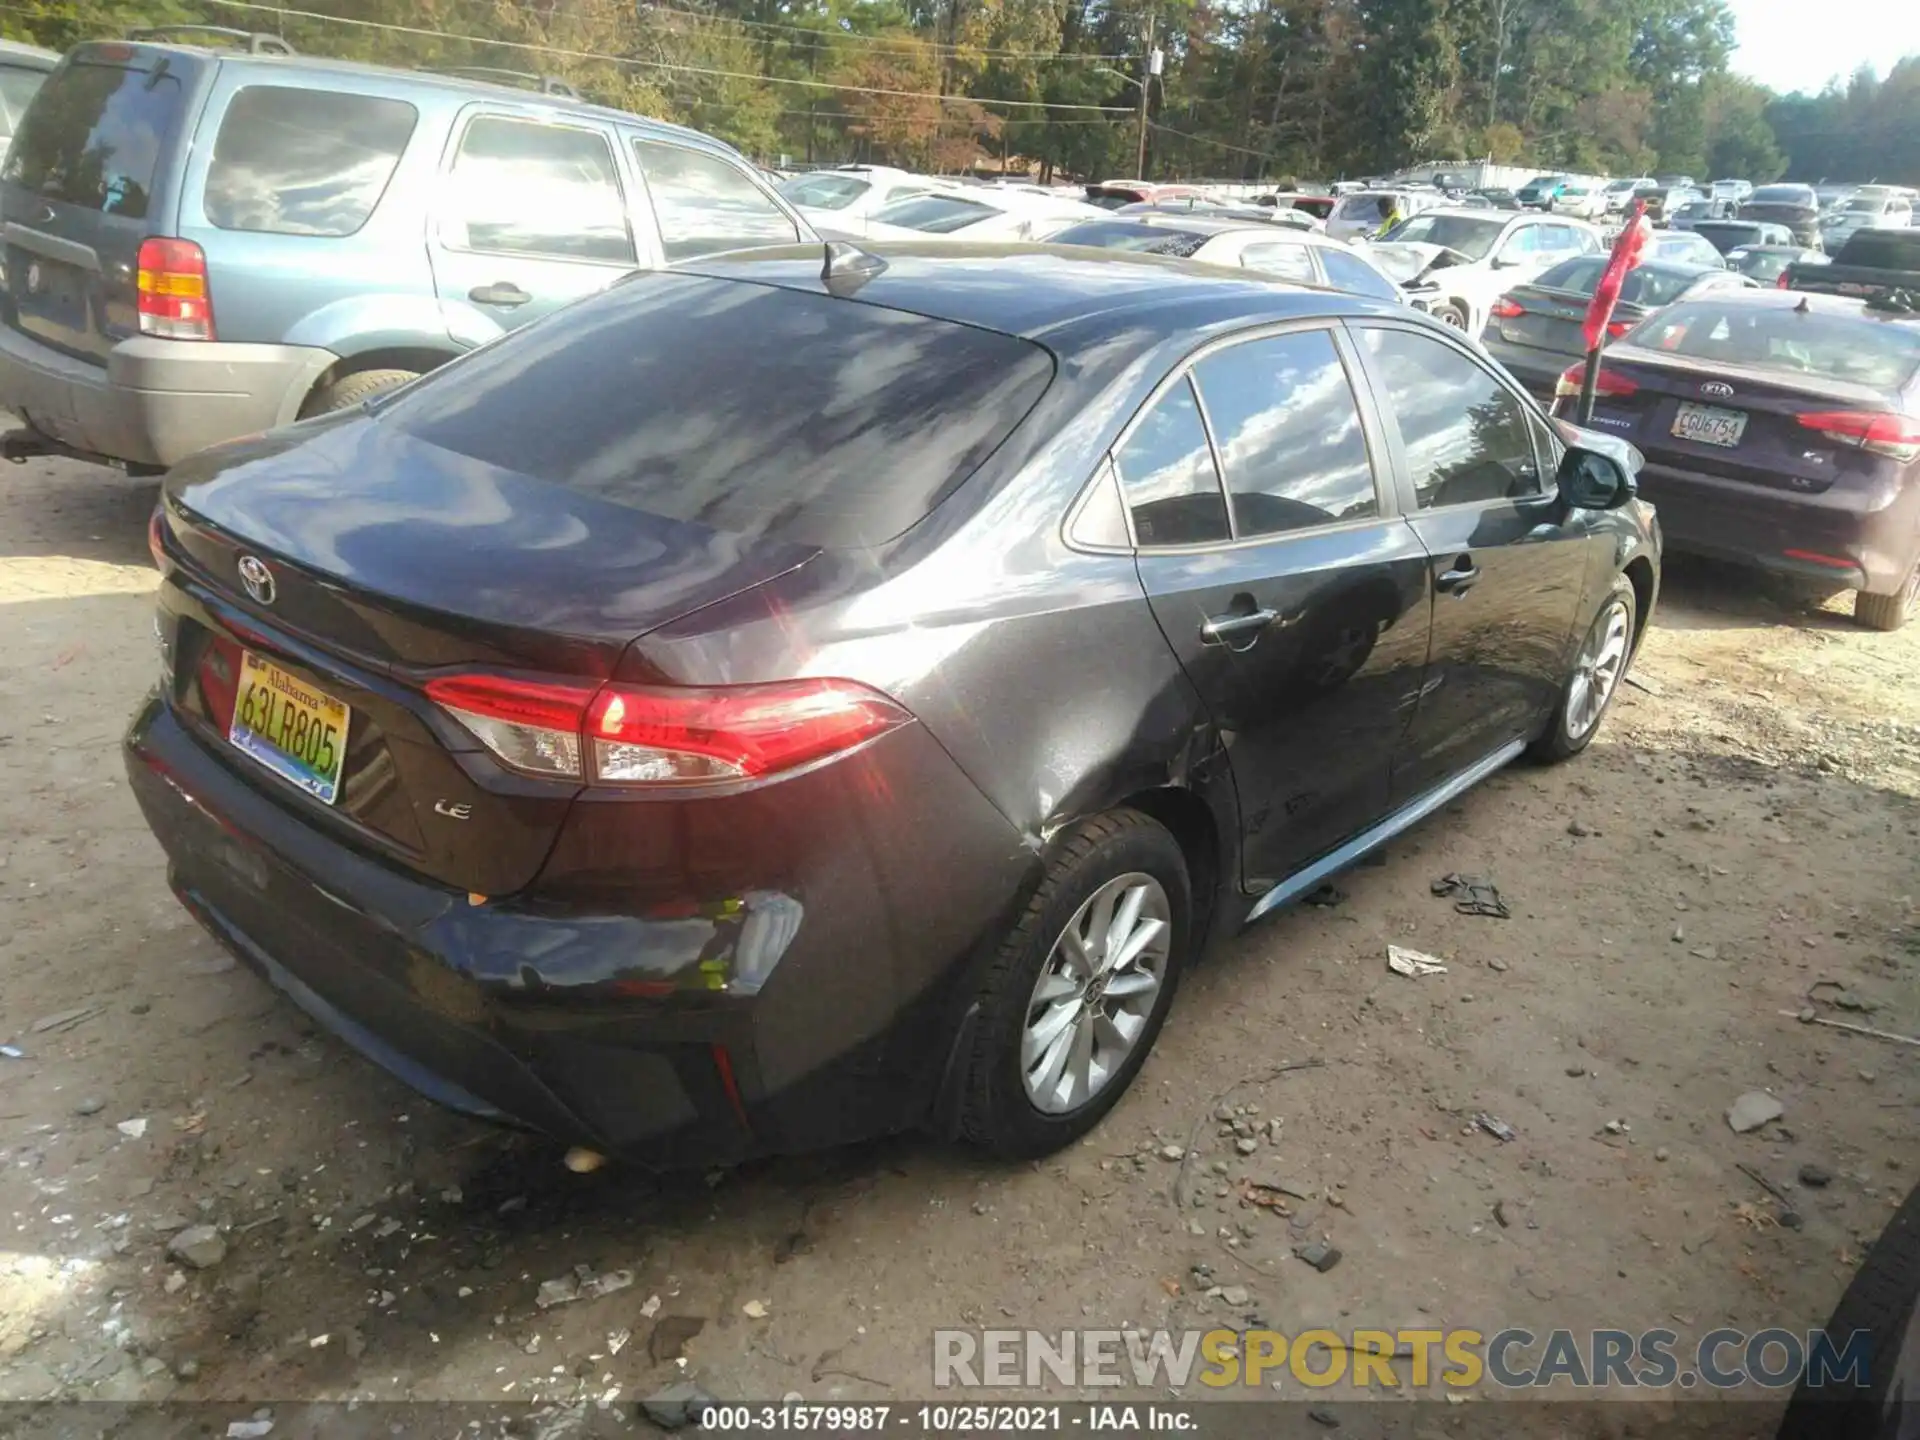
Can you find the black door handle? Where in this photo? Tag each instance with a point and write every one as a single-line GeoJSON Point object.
{"type": "Point", "coordinates": [1460, 578]}
{"type": "Point", "coordinates": [503, 293]}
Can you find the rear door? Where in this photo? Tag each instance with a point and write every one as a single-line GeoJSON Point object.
{"type": "Point", "coordinates": [88, 178]}
{"type": "Point", "coordinates": [534, 212]}
{"type": "Point", "coordinates": [1296, 599]}
{"type": "Point", "coordinates": [1507, 559]}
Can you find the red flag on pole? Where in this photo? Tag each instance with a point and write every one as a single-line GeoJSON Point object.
{"type": "Point", "coordinates": [1627, 251]}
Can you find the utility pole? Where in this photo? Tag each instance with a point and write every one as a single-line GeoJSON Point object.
{"type": "Point", "coordinates": [1149, 67]}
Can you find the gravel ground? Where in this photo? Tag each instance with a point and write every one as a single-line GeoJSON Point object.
{"type": "Point", "coordinates": [1738, 843]}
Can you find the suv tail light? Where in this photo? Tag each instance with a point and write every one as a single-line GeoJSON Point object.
{"type": "Point", "coordinates": [174, 301]}
{"type": "Point", "coordinates": [1784, 282]}
{"type": "Point", "coordinates": [658, 735]}
{"type": "Point", "coordinates": [1505, 308]}
{"type": "Point", "coordinates": [1895, 436]}
{"type": "Point", "coordinates": [1608, 383]}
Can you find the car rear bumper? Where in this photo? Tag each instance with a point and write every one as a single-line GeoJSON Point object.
{"type": "Point", "coordinates": [1851, 546]}
{"type": "Point", "coordinates": [628, 1033]}
{"type": "Point", "coordinates": [155, 401]}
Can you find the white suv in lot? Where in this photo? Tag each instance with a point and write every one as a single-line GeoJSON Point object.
{"type": "Point", "coordinates": [843, 199]}
{"type": "Point", "coordinates": [1455, 263]}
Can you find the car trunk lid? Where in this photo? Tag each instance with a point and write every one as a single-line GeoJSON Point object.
{"type": "Point", "coordinates": [87, 181]}
{"type": "Point", "coordinates": [526, 577]}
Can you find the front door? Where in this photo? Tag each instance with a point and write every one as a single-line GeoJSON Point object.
{"type": "Point", "coordinates": [1507, 560]}
{"type": "Point", "coordinates": [531, 215]}
{"type": "Point", "coordinates": [1294, 596]}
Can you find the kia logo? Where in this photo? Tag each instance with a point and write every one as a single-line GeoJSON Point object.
{"type": "Point", "coordinates": [1718, 389]}
{"type": "Point", "coordinates": [258, 579]}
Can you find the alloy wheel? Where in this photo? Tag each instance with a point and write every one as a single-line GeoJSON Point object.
{"type": "Point", "coordinates": [1603, 659]}
{"type": "Point", "coordinates": [1096, 992]}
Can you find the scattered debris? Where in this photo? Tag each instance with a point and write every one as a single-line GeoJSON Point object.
{"type": "Point", "coordinates": [1495, 1127]}
{"type": "Point", "coordinates": [669, 1338]}
{"type": "Point", "coordinates": [200, 1246]}
{"type": "Point", "coordinates": [1815, 1177]}
{"type": "Point", "coordinates": [1235, 1295]}
{"type": "Point", "coordinates": [1319, 1254]}
{"type": "Point", "coordinates": [583, 1161]}
{"type": "Point", "coordinates": [66, 1019]}
{"type": "Point", "coordinates": [1752, 1110]}
{"type": "Point", "coordinates": [133, 1129]}
{"type": "Point", "coordinates": [651, 1308]}
{"type": "Point", "coordinates": [12, 1052]}
{"type": "Point", "coordinates": [249, 1429]}
{"type": "Point", "coordinates": [754, 1309]}
{"type": "Point", "coordinates": [1324, 1417]}
{"type": "Point", "coordinates": [618, 1340]}
{"type": "Point", "coordinates": [1473, 895]}
{"type": "Point", "coordinates": [1500, 1215]}
{"type": "Point", "coordinates": [1173, 1152]}
{"type": "Point", "coordinates": [1807, 1017]}
{"type": "Point", "coordinates": [583, 1284]}
{"type": "Point", "coordinates": [1326, 897]}
{"type": "Point", "coordinates": [1661, 1154]}
{"type": "Point", "coordinates": [1246, 1145]}
{"type": "Point", "coordinates": [1403, 961]}
{"type": "Point", "coordinates": [1579, 831]}
{"type": "Point", "coordinates": [92, 1105]}
{"type": "Point", "coordinates": [677, 1406]}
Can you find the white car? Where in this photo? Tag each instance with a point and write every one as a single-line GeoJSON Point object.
{"type": "Point", "coordinates": [1455, 263]}
{"type": "Point", "coordinates": [1871, 207]}
{"type": "Point", "coordinates": [1587, 202]}
{"type": "Point", "coordinates": [844, 198]}
{"type": "Point", "coordinates": [978, 212]}
{"type": "Point", "coordinates": [1276, 252]}
{"type": "Point", "coordinates": [1361, 213]}
{"type": "Point", "coordinates": [1734, 190]}
{"type": "Point", "coordinates": [1619, 193]}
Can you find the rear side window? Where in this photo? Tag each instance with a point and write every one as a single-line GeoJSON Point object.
{"type": "Point", "coordinates": [95, 135]}
{"type": "Point", "coordinates": [1288, 431]}
{"type": "Point", "coordinates": [935, 214]}
{"type": "Point", "coordinates": [1467, 439]}
{"type": "Point", "coordinates": [1283, 262]}
{"type": "Point", "coordinates": [706, 205]}
{"type": "Point", "coordinates": [1354, 275]}
{"type": "Point", "coordinates": [747, 408]}
{"type": "Point", "coordinates": [523, 188]}
{"type": "Point", "coordinates": [1167, 475]}
{"type": "Point", "coordinates": [291, 161]}
{"type": "Point", "coordinates": [18, 85]}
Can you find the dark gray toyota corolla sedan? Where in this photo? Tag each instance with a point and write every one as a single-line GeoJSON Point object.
{"type": "Point", "coordinates": [800, 697]}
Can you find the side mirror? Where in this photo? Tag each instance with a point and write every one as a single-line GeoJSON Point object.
{"type": "Point", "coordinates": [1502, 262]}
{"type": "Point", "coordinates": [1592, 481]}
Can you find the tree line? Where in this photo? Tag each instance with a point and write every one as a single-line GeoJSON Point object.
{"type": "Point", "coordinates": [1255, 89]}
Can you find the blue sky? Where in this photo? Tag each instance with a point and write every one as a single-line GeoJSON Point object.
{"type": "Point", "coordinates": [1801, 44]}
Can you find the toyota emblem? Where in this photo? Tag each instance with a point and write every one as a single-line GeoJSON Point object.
{"type": "Point", "coordinates": [1718, 389]}
{"type": "Point", "coordinates": [258, 579]}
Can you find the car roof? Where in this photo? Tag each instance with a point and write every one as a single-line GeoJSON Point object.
{"type": "Point", "coordinates": [1841, 305]}
{"type": "Point", "coordinates": [1200, 222]}
{"type": "Point", "coordinates": [17, 50]}
{"type": "Point", "coordinates": [1066, 296]}
{"type": "Point", "coordinates": [290, 67]}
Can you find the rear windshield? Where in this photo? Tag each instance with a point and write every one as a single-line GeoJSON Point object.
{"type": "Point", "coordinates": [747, 408]}
{"type": "Point", "coordinates": [1859, 348]}
{"type": "Point", "coordinates": [94, 134]}
{"type": "Point", "coordinates": [1883, 250]}
{"type": "Point", "coordinates": [935, 214]}
{"type": "Point", "coordinates": [1129, 235]}
{"type": "Point", "coordinates": [1866, 205]}
{"type": "Point", "coordinates": [1782, 195]}
{"type": "Point", "coordinates": [1643, 286]}
{"type": "Point", "coordinates": [1471, 236]}
{"type": "Point", "coordinates": [825, 192]}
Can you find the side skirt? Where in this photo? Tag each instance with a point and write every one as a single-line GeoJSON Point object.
{"type": "Point", "coordinates": [1408, 815]}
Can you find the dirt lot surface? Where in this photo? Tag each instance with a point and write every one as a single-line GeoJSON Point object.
{"type": "Point", "coordinates": [1742, 831]}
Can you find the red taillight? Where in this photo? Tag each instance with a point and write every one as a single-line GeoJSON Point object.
{"type": "Point", "coordinates": [1785, 282]}
{"type": "Point", "coordinates": [1895, 436]}
{"type": "Point", "coordinates": [647, 735]}
{"type": "Point", "coordinates": [1814, 557]}
{"type": "Point", "coordinates": [1506, 308]}
{"type": "Point", "coordinates": [1609, 383]}
{"type": "Point", "coordinates": [174, 301]}
{"type": "Point", "coordinates": [157, 537]}
{"type": "Point", "coordinates": [1618, 328]}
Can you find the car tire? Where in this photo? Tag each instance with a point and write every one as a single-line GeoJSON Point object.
{"type": "Point", "coordinates": [1575, 719]}
{"type": "Point", "coordinates": [1881, 1300]}
{"type": "Point", "coordinates": [355, 389]}
{"type": "Point", "coordinates": [999, 1112]}
{"type": "Point", "coordinates": [1889, 612]}
{"type": "Point", "coordinates": [1454, 316]}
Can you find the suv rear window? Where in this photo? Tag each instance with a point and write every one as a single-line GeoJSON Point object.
{"type": "Point", "coordinates": [747, 408]}
{"type": "Point", "coordinates": [292, 161]}
{"type": "Point", "coordinates": [94, 135]}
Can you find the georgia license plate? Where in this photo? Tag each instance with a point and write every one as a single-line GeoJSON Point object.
{"type": "Point", "coordinates": [296, 731]}
{"type": "Point", "coordinates": [1710, 425]}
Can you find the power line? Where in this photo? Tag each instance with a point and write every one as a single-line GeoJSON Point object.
{"type": "Point", "coordinates": [854, 35]}
{"type": "Point", "coordinates": [415, 30]}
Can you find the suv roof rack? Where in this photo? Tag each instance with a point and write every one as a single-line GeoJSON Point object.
{"type": "Point", "coordinates": [525, 79]}
{"type": "Point", "coordinates": [257, 42]}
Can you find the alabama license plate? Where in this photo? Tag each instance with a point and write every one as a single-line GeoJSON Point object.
{"type": "Point", "coordinates": [296, 731]}
{"type": "Point", "coordinates": [1710, 425]}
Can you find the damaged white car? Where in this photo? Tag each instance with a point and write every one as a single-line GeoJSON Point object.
{"type": "Point", "coordinates": [1455, 263]}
